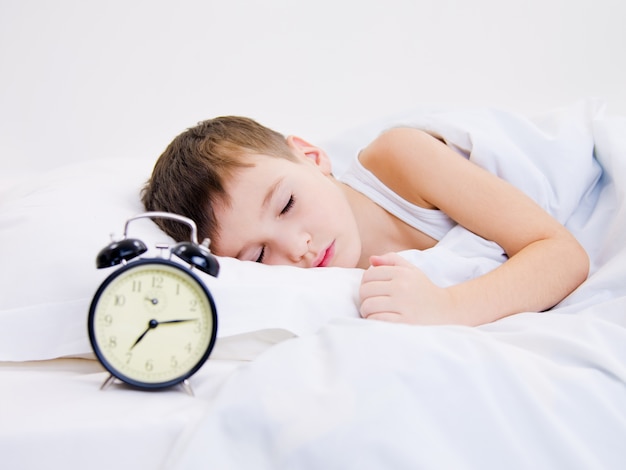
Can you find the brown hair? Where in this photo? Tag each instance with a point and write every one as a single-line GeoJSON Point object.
{"type": "Point", "coordinates": [189, 176]}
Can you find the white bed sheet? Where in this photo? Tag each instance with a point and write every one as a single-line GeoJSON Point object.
{"type": "Point", "coordinates": [53, 415]}
{"type": "Point", "coordinates": [535, 390]}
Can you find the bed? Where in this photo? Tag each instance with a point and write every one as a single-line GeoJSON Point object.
{"type": "Point", "coordinates": [91, 93]}
{"type": "Point", "coordinates": [297, 379]}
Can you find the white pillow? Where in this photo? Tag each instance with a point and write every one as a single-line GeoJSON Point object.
{"type": "Point", "coordinates": [51, 229]}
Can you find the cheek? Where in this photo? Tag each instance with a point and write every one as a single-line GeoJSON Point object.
{"type": "Point", "coordinates": [228, 240]}
{"type": "Point", "coordinates": [339, 221]}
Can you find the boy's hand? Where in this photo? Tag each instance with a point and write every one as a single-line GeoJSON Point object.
{"type": "Point", "coordinates": [393, 289]}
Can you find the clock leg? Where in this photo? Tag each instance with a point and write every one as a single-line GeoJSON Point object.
{"type": "Point", "coordinates": [187, 387]}
{"type": "Point", "coordinates": [107, 383]}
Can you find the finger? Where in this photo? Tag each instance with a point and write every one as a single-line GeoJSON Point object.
{"type": "Point", "coordinates": [378, 304]}
{"type": "Point", "coordinates": [375, 288]}
{"type": "Point", "coordinates": [386, 316]}
{"type": "Point", "coordinates": [379, 273]}
{"type": "Point", "coordinates": [389, 259]}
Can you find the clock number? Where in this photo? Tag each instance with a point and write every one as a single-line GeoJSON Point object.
{"type": "Point", "coordinates": [173, 362]}
{"type": "Point", "coordinates": [108, 319]}
{"type": "Point", "coordinates": [149, 365]}
{"type": "Point", "coordinates": [112, 342]}
{"type": "Point", "coordinates": [157, 281]}
{"type": "Point", "coordinates": [120, 300]}
{"type": "Point", "coordinates": [193, 303]}
{"type": "Point", "coordinates": [129, 356]}
{"type": "Point", "coordinates": [136, 286]}
{"type": "Point", "coordinates": [197, 327]}
{"type": "Point", "coordinates": [188, 348]}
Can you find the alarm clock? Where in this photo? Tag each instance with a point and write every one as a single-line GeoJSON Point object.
{"type": "Point", "coordinates": [152, 323]}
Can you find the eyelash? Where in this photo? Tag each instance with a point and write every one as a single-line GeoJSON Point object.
{"type": "Point", "coordinates": [289, 205]}
{"type": "Point", "coordinates": [286, 209]}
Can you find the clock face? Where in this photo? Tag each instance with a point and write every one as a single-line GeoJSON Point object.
{"type": "Point", "coordinates": [152, 323]}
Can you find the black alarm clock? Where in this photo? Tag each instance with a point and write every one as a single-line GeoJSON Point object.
{"type": "Point", "coordinates": [153, 323]}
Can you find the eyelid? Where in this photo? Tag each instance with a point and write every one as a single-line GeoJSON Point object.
{"type": "Point", "coordinates": [284, 210]}
{"type": "Point", "coordinates": [261, 255]}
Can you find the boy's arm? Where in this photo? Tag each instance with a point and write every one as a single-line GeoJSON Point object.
{"type": "Point", "coordinates": [545, 261]}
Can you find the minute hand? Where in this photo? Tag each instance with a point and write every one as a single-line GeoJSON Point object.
{"type": "Point", "coordinates": [178, 321]}
{"type": "Point", "coordinates": [152, 324]}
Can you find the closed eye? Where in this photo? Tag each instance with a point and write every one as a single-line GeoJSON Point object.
{"type": "Point", "coordinates": [289, 205]}
{"type": "Point", "coordinates": [285, 209]}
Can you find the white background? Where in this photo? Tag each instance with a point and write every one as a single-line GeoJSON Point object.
{"type": "Point", "coordinates": [85, 79]}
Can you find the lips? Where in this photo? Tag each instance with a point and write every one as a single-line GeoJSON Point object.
{"type": "Point", "coordinates": [325, 256]}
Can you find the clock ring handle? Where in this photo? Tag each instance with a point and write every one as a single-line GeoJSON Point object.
{"type": "Point", "coordinates": [168, 215]}
{"type": "Point", "coordinates": [121, 251]}
{"type": "Point", "coordinates": [198, 255]}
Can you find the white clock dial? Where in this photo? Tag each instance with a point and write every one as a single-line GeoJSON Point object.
{"type": "Point", "coordinates": [152, 323]}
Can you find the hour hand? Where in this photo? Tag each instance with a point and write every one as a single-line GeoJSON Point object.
{"type": "Point", "coordinates": [151, 325]}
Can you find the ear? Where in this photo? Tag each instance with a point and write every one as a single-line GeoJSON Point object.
{"type": "Point", "coordinates": [311, 152]}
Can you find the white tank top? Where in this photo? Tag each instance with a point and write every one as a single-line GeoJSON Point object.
{"type": "Point", "coordinates": [432, 222]}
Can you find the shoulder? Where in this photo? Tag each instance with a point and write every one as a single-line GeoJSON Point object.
{"type": "Point", "coordinates": [396, 141]}
{"type": "Point", "coordinates": [406, 159]}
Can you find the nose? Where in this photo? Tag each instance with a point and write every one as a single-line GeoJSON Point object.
{"type": "Point", "coordinates": [295, 246]}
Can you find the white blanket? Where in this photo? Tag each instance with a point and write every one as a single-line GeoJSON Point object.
{"type": "Point", "coordinates": [535, 390]}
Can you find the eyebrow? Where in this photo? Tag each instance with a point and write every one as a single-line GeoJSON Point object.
{"type": "Point", "coordinates": [270, 193]}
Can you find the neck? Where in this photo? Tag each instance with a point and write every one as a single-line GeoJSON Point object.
{"type": "Point", "coordinates": [380, 231]}
{"type": "Point", "coordinates": [366, 215]}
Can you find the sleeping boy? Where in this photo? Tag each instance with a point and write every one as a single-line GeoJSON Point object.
{"type": "Point", "coordinates": [261, 196]}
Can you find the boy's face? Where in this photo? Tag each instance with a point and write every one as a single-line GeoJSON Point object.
{"type": "Point", "coordinates": [288, 213]}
